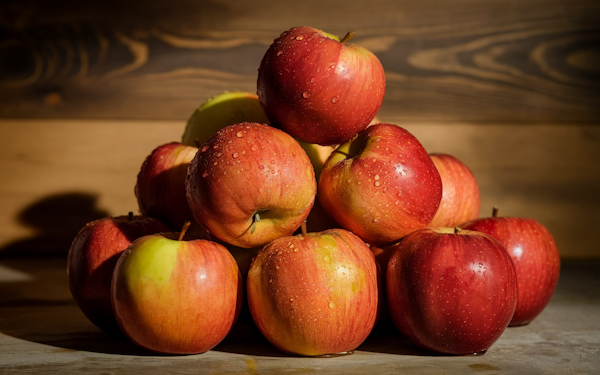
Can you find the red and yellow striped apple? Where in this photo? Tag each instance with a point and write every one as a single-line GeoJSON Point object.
{"type": "Point", "coordinates": [381, 185]}
{"type": "Point", "coordinates": [176, 295]}
{"type": "Point", "coordinates": [314, 293]}
{"type": "Point", "coordinates": [250, 184]}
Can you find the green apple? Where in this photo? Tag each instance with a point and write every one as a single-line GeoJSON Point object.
{"type": "Point", "coordinates": [219, 111]}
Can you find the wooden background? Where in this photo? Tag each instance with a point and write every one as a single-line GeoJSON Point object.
{"type": "Point", "coordinates": [89, 88]}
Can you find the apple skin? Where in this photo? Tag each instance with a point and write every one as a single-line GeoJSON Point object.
{"type": "Point", "coordinates": [314, 294]}
{"type": "Point", "coordinates": [176, 297]}
{"type": "Point", "coordinates": [92, 258]}
{"type": "Point", "coordinates": [381, 185]}
{"type": "Point", "coordinates": [318, 89]}
{"type": "Point", "coordinates": [160, 186]}
{"type": "Point", "coordinates": [452, 293]}
{"type": "Point", "coordinates": [247, 169]}
{"type": "Point", "coordinates": [219, 111]}
{"type": "Point", "coordinates": [535, 256]}
{"type": "Point", "coordinates": [460, 192]}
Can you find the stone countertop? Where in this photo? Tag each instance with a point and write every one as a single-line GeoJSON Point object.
{"type": "Point", "coordinates": [42, 331]}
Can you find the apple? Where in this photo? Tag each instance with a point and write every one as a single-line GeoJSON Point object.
{"type": "Point", "coordinates": [319, 88]}
{"type": "Point", "coordinates": [460, 192]}
{"type": "Point", "coordinates": [451, 291]}
{"type": "Point", "coordinates": [160, 185]}
{"type": "Point", "coordinates": [219, 111]}
{"type": "Point", "coordinates": [535, 256]}
{"type": "Point", "coordinates": [314, 294]}
{"type": "Point", "coordinates": [176, 295]}
{"type": "Point", "coordinates": [249, 184]}
{"type": "Point", "coordinates": [92, 258]}
{"type": "Point", "coordinates": [381, 185]}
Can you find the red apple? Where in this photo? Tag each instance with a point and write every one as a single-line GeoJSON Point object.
{"type": "Point", "coordinates": [381, 185]}
{"type": "Point", "coordinates": [317, 88]}
{"type": "Point", "coordinates": [176, 295]}
{"type": "Point", "coordinates": [535, 256]}
{"type": "Point", "coordinates": [460, 192]}
{"type": "Point", "coordinates": [451, 291]}
{"type": "Point", "coordinates": [314, 293]}
{"type": "Point", "coordinates": [249, 184]}
{"type": "Point", "coordinates": [92, 258]}
{"type": "Point", "coordinates": [160, 186]}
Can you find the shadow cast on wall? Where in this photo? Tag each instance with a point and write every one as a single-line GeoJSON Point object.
{"type": "Point", "coordinates": [55, 220]}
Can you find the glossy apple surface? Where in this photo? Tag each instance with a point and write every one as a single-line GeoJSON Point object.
{"type": "Point", "coordinates": [314, 294]}
{"type": "Point", "coordinates": [176, 296]}
{"type": "Point", "coordinates": [249, 184]}
{"type": "Point", "coordinates": [317, 88]}
{"type": "Point", "coordinates": [450, 292]}
{"type": "Point", "coordinates": [381, 185]}
{"type": "Point", "coordinates": [92, 259]}
{"type": "Point", "coordinates": [160, 185]}
{"type": "Point", "coordinates": [535, 256]}
{"type": "Point", "coordinates": [460, 192]}
{"type": "Point", "coordinates": [219, 111]}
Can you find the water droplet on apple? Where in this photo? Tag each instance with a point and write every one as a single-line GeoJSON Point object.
{"type": "Point", "coordinates": [299, 37]}
{"type": "Point", "coordinates": [377, 183]}
{"type": "Point", "coordinates": [261, 167]}
{"type": "Point", "coordinates": [235, 155]}
{"type": "Point", "coordinates": [331, 305]}
{"type": "Point", "coordinates": [204, 174]}
{"type": "Point", "coordinates": [239, 134]}
{"type": "Point", "coordinates": [219, 154]}
{"type": "Point", "coordinates": [204, 148]}
{"type": "Point", "coordinates": [335, 99]}
{"type": "Point", "coordinates": [279, 53]}
{"type": "Point", "coordinates": [306, 94]}
{"type": "Point", "coordinates": [313, 79]}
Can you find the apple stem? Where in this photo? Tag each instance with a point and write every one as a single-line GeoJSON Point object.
{"type": "Point", "coordinates": [348, 36]}
{"type": "Point", "coordinates": [184, 229]}
{"type": "Point", "coordinates": [457, 230]}
{"type": "Point", "coordinates": [197, 142]}
{"type": "Point", "coordinates": [255, 220]}
{"type": "Point", "coordinates": [303, 228]}
{"type": "Point", "coordinates": [495, 211]}
{"type": "Point", "coordinates": [130, 215]}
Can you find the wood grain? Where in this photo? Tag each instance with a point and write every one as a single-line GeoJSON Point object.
{"type": "Point", "coordinates": [56, 175]}
{"type": "Point", "coordinates": [493, 61]}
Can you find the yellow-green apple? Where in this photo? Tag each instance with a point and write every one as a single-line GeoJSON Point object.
{"type": "Point", "coordinates": [460, 192]}
{"type": "Point", "coordinates": [450, 290]}
{"type": "Point", "coordinates": [92, 258]}
{"type": "Point", "coordinates": [249, 184]}
{"type": "Point", "coordinates": [381, 185]}
{"type": "Point", "coordinates": [535, 256]}
{"type": "Point", "coordinates": [314, 293]}
{"type": "Point", "coordinates": [176, 295]}
{"type": "Point", "coordinates": [160, 185]}
{"type": "Point", "coordinates": [319, 88]}
{"type": "Point", "coordinates": [219, 111]}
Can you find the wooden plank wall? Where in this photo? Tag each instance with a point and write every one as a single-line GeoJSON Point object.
{"type": "Point", "coordinates": [88, 89]}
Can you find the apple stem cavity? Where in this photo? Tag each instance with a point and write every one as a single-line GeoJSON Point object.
{"type": "Point", "coordinates": [130, 215]}
{"type": "Point", "coordinates": [495, 211]}
{"type": "Point", "coordinates": [184, 229]}
{"type": "Point", "coordinates": [255, 220]}
{"type": "Point", "coordinates": [348, 36]}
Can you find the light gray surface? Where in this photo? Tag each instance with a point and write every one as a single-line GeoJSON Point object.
{"type": "Point", "coordinates": [42, 331]}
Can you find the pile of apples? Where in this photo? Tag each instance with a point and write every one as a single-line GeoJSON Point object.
{"type": "Point", "coordinates": [325, 223]}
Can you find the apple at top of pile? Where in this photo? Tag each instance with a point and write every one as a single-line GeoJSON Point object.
{"type": "Point", "coordinates": [317, 88]}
